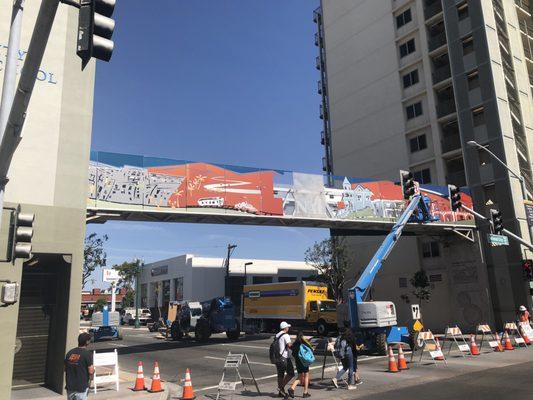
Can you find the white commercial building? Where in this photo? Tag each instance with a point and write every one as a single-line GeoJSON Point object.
{"type": "Point", "coordinates": [188, 277]}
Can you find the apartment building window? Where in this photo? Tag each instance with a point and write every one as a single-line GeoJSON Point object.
{"type": "Point", "coordinates": [402, 282]}
{"type": "Point", "coordinates": [468, 46]}
{"type": "Point", "coordinates": [462, 10]}
{"type": "Point", "coordinates": [473, 80]}
{"type": "Point", "coordinates": [403, 18]}
{"type": "Point", "coordinates": [423, 176]}
{"type": "Point", "coordinates": [430, 249]}
{"type": "Point", "coordinates": [418, 143]}
{"type": "Point", "coordinates": [435, 278]}
{"type": "Point", "coordinates": [410, 79]}
{"type": "Point", "coordinates": [414, 110]}
{"type": "Point", "coordinates": [407, 48]}
{"type": "Point", "coordinates": [478, 116]}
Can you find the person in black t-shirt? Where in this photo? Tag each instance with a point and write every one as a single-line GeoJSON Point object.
{"type": "Point", "coordinates": [79, 369]}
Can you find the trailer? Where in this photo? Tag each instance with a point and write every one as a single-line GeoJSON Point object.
{"type": "Point", "coordinates": [304, 305]}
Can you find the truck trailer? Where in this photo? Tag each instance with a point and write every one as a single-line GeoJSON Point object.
{"type": "Point", "coordinates": [304, 305]}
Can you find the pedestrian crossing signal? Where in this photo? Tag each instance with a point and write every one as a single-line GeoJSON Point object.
{"type": "Point", "coordinates": [454, 195]}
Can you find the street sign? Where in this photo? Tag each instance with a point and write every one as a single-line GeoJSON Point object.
{"type": "Point", "coordinates": [498, 240]}
{"type": "Point", "coordinates": [110, 275]}
{"type": "Point", "coordinates": [415, 310]}
{"type": "Point", "coordinates": [417, 326]}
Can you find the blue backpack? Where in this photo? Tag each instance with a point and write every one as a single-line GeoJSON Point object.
{"type": "Point", "coordinates": [305, 354]}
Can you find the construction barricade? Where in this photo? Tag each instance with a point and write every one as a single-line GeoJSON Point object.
{"type": "Point", "coordinates": [512, 330]}
{"type": "Point", "coordinates": [426, 342]}
{"type": "Point", "coordinates": [454, 335]}
{"type": "Point", "coordinates": [526, 331]}
{"type": "Point", "coordinates": [489, 337]}
{"type": "Point", "coordinates": [105, 369]}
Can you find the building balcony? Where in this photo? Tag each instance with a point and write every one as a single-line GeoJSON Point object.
{"type": "Point", "coordinates": [324, 141]}
{"type": "Point", "coordinates": [451, 139]}
{"type": "Point", "coordinates": [319, 41]}
{"type": "Point", "coordinates": [325, 165]}
{"type": "Point", "coordinates": [456, 178]}
{"type": "Point", "coordinates": [436, 41]}
{"type": "Point", "coordinates": [445, 107]}
{"type": "Point", "coordinates": [442, 73]}
{"type": "Point", "coordinates": [432, 8]}
{"type": "Point", "coordinates": [525, 28]}
{"type": "Point", "coordinates": [528, 53]}
{"type": "Point", "coordinates": [319, 87]}
{"type": "Point", "coordinates": [317, 15]}
{"type": "Point", "coordinates": [323, 111]}
{"type": "Point", "coordinates": [319, 63]}
{"type": "Point", "coordinates": [524, 5]}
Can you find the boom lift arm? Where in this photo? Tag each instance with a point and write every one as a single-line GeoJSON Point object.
{"type": "Point", "coordinates": [359, 292]}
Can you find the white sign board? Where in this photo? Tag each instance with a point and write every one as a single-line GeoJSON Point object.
{"type": "Point", "coordinates": [526, 330]}
{"type": "Point", "coordinates": [110, 275]}
{"type": "Point", "coordinates": [493, 344]}
{"type": "Point", "coordinates": [519, 340]}
{"type": "Point", "coordinates": [110, 373]}
{"type": "Point", "coordinates": [436, 354]}
{"type": "Point", "coordinates": [464, 348]}
{"type": "Point", "coordinates": [415, 310]}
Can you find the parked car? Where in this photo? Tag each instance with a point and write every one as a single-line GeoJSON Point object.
{"type": "Point", "coordinates": [128, 316]}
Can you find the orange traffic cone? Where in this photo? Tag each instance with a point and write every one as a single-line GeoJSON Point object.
{"type": "Point", "coordinates": [402, 363]}
{"type": "Point", "coordinates": [156, 380]}
{"type": "Point", "coordinates": [393, 367]}
{"type": "Point", "coordinates": [139, 382]}
{"type": "Point", "coordinates": [439, 358]}
{"type": "Point", "coordinates": [498, 349]}
{"type": "Point", "coordinates": [188, 393]}
{"type": "Point", "coordinates": [473, 346]}
{"type": "Point", "coordinates": [508, 344]}
{"type": "Point", "coordinates": [526, 338]}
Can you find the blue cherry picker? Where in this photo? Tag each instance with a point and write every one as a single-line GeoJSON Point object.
{"type": "Point", "coordinates": [374, 322]}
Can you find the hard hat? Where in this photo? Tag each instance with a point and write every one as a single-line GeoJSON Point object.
{"type": "Point", "coordinates": [522, 308]}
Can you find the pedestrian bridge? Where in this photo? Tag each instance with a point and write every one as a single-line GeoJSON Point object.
{"type": "Point", "coordinates": [137, 188]}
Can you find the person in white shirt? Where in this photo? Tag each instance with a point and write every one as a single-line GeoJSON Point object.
{"type": "Point", "coordinates": [284, 365]}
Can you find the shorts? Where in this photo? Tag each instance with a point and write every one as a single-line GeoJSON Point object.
{"type": "Point", "coordinates": [300, 368]}
{"type": "Point", "coordinates": [285, 367]}
{"type": "Point", "coordinates": [77, 395]}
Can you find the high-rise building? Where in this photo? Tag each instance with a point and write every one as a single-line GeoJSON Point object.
{"type": "Point", "coordinates": [406, 84]}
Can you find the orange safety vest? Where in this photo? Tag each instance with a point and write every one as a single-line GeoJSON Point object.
{"type": "Point", "coordinates": [524, 317]}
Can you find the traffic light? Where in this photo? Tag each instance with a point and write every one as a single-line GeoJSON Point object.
{"type": "Point", "coordinates": [497, 221]}
{"type": "Point", "coordinates": [21, 233]}
{"type": "Point", "coordinates": [408, 184]}
{"type": "Point", "coordinates": [454, 195]}
{"type": "Point", "coordinates": [95, 29]}
{"type": "Point", "coordinates": [527, 269]}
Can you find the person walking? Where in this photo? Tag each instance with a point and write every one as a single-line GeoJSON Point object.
{"type": "Point", "coordinates": [284, 366]}
{"type": "Point", "coordinates": [301, 367]}
{"type": "Point", "coordinates": [344, 351]}
{"type": "Point", "coordinates": [79, 369]}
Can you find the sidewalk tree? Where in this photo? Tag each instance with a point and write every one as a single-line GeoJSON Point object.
{"type": "Point", "coordinates": [94, 255]}
{"type": "Point", "coordinates": [421, 286]}
{"type": "Point", "coordinates": [331, 259]}
{"type": "Point", "coordinates": [99, 304]}
{"type": "Point", "coordinates": [128, 271]}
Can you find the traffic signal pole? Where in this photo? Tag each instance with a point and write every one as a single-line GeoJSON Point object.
{"type": "Point", "coordinates": [15, 103]}
{"type": "Point", "coordinates": [507, 232]}
{"type": "Point", "coordinates": [10, 80]}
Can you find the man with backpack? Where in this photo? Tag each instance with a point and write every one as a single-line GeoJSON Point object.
{"type": "Point", "coordinates": [279, 355]}
{"type": "Point", "coordinates": [345, 348]}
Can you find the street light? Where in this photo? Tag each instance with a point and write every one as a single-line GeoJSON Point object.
{"type": "Point", "coordinates": [473, 143]}
{"type": "Point", "coordinates": [242, 296]}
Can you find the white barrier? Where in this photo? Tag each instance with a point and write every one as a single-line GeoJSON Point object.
{"type": "Point", "coordinates": [427, 338]}
{"type": "Point", "coordinates": [513, 330]}
{"type": "Point", "coordinates": [109, 359]}
{"type": "Point", "coordinates": [454, 333]}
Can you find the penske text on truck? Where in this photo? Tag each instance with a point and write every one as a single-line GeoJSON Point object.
{"type": "Point", "coordinates": [303, 304]}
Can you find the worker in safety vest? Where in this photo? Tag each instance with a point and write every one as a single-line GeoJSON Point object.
{"type": "Point", "coordinates": [523, 314]}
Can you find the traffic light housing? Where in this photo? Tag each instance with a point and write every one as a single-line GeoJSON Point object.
{"type": "Point", "coordinates": [95, 29]}
{"type": "Point", "coordinates": [497, 221]}
{"type": "Point", "coordinates": [454, 195]}
{"type": "Point", "coordinates": [408, 184]}
{"type": "Point", "coordinates": [527, 269]}
{"type": "Point", "coordinates": [21, 234]}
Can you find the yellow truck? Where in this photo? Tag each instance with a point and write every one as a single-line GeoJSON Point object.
{"type": "Point", "coordinates": [304, 305]}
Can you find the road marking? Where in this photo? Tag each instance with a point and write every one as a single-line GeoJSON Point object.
{"type": "Point", "coordinates": [246, 345]}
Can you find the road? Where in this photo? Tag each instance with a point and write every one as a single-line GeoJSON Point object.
{"type": "Point", "coordinates": [489, 376]}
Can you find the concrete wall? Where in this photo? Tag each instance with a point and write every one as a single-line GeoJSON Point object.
{"type": "Point", "coordinates": [49, 172]}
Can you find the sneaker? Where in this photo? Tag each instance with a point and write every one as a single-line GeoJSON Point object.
{"type": "Point", "coordinates": [306, 395]}
{"type": "Point", "coordinates": [351, 387]}
{"type": "Point", "coordinates": [291, 393]}
{"type": "Point", "coordinates": [334, 380]}
{"type": "Point", "coordinates": [359, 381]}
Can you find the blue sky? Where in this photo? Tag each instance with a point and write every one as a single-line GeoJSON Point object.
{"type": "Point", "coordinates": [224, 81]}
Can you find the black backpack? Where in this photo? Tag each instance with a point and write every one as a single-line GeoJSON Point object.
{"type": "Point", "coordinates": [275, 356]}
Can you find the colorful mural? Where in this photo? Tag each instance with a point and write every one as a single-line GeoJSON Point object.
{"type": "Point", "coordinates": [118, 181]}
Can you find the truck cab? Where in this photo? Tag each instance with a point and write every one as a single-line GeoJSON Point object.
{"type": "Point", "coordinates": [323, 314]}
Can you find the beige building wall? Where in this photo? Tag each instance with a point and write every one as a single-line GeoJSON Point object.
{"type": "Point", "coordinates": [48, 177]}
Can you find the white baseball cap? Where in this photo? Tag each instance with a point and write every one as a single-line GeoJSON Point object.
{"type": "Point", "coordinates": [284, 325]}
{"type": "Point", "coordinates": [521, 308]}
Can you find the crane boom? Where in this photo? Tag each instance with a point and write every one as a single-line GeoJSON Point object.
{"type": "Point", "coordinates": [359, 292]}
